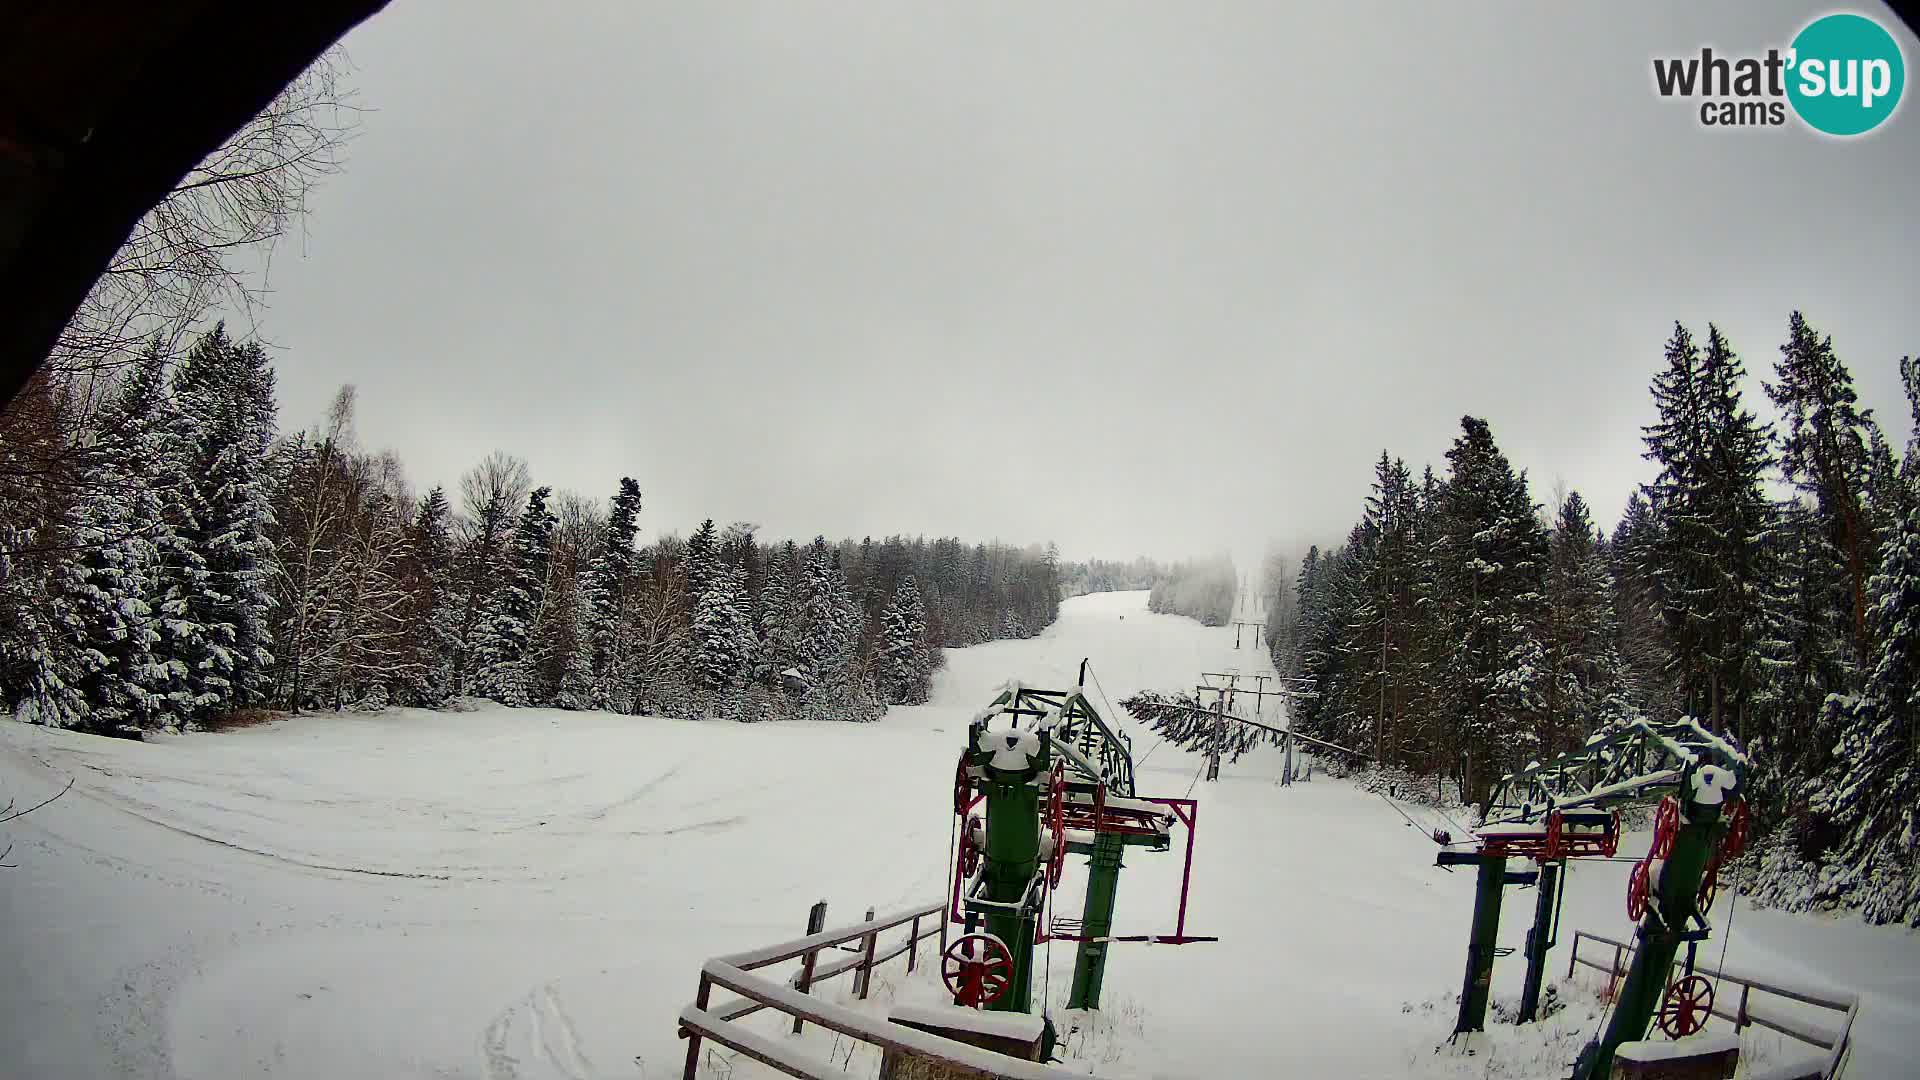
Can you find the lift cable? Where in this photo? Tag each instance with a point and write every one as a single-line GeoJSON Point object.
{"type": "Point", "coordinates": [1408, 818]}
{"type": "Point", "coordinates": [1197, 773]}
{"type": "Point", "coordinates": [1115, 713]}
{"type": "Point", "coordinates": [1726, 938]}
{"type": "Point", "coordinates": [1464, 831]}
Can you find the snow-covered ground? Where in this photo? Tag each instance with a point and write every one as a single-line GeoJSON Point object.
{"type": "Point", "coordinates": [525, 893]}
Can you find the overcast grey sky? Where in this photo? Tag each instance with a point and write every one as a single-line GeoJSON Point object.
{"type": "Point", "coordinates": [1135, 277]}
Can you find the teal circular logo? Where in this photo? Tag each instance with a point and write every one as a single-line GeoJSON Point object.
{"type": "Point", "coordinates": [1846, 74]}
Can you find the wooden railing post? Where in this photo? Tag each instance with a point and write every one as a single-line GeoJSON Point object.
{"type": "Point", "coordinates": [913, 945]}
{"type": "Point", "coordinates": [693, 1037]}
{"type": "Point", "coordinates": [1573, 954]}
{"type": "Point", "coordinates": [866, 965]}
{"type": "Point", "coordinates": [816, 922]}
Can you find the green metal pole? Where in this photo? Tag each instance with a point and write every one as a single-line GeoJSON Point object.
{"type": "Point", "coordinates": [1475, 987]}
{"type": "Point", "coordinates": [1661, 932]}
{"type": "Point", "coordinates": [1539, 940]}
{"type": "Point", "coordinates": [1103, 883]}
{"type": "Point", "coordinates": [1012, 856]}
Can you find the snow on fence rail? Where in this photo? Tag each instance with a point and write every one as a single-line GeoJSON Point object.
{"type": "Point", "coordinates": [702, 1020]}
{"type": "Point", "coordinates": [1765, 1013]}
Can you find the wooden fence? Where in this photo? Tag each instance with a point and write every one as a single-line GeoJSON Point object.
{"type": "Point", "coordinates": [861, 942]}
{"type": "Point", "coordinates": [1765, 1011]}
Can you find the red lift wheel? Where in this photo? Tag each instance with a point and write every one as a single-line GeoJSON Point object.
{"type": "Point", "coordinates": [1735, 841]}
{"type": "Point", "coordinates": [1552, 849]}
{"type": "Point", "coordinates": [1666, 825]}
{"type": "Point", "coordinates": [969, 852]}
{"type": "Point", "coordinates": [1637, 888]}
{"type": "Point", "coordinates": [962, 787]}
{"type": "Point", "coordinates": [1612, 843]}
{"type": "Point", "coordinates": [978, 969]}
{"type": "Point", "coordinates": [1057, 826]}
{"type": "Point", "coordinates": [1689, 1002]}
{"type": "Point", "coordinates": [1709, 886]}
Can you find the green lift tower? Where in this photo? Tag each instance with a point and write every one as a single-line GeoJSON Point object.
{"type": "Point", "coordinates": [1568, 808]}
{"type": "Point", "coordinates": [1044, 776]}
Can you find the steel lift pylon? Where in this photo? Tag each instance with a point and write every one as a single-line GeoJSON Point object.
{"type": "Point", "coordinates": [1044, 776]}
{"type": "Point", "coordinates": [1567, 809]}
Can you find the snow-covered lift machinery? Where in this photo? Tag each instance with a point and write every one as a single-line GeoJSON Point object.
{"type": "Point", "coordinates": [1054, 779]}
{"type": "Point", "coordinates": [1569, 808]}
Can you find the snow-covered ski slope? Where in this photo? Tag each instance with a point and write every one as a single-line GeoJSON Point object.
{"type": "Point", "coordinates": [526, 893]}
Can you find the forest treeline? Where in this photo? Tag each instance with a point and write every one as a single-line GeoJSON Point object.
{"type": "Point", "coordinates": [167, 557]}
{"type": "Point", "coordinates": [1102, 575]}
{"type": "Point", "coordinates": [1766, 583]}
{"type": "Point", "coordinates": [1200, 589]}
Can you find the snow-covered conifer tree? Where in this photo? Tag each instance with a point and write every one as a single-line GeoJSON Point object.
{"type": "Point", "coordinates": [610, 584]}
{"type": "Point", "coordinates": [904, 663]}
{"type": "Point", "coordinates": [1871, 792]}
{"type": "Point", "coordinates": [225, 393]}
{"type": "Point", "coordinates": [502, 644]}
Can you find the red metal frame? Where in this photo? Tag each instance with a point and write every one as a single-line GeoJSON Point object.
{"type": "Point", "coordinates": [1187, 812]}
{"type": "Point", "coordinates": [1553, 841]}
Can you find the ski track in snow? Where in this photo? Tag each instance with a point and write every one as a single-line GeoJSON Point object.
{"type": "Point", "coordinates": [528, 894]}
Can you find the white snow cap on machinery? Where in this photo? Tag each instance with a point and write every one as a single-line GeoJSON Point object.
{"type": "Point", "coordinates": [1011, 749]}
{"type": "Point", "coordinates": [1711, 784]}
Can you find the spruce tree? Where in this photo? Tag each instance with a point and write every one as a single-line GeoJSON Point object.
{"type": "Point", "coordinates": [1910, 460]}
{"type": "Point", "coordinates": [905, 670]}
{"type": "Point", "coordinates": [502, 645]}
{"type": "Point", "coordinates": [100, 605]}
{"type": "Point", "coordinates": [1584, 689]}
{"type": "Point", "coordinates": [162, 447]}
{"type": "Point", "coordinates": [575, 689]}
{"type": "Point", "coordinates": [1871, 792]}
{"type": "Point", "coordinates": [1809, 617]}
{"type": "Point", "coordinates": [778, 617]}
{"type": "Point", "coordinates": [1889, 495]}
{"type": "Point", "coordinates": [1715, 521]}
{"type": "Point", "coordinates": [225, 392]}
{"type": "Point", "coordinates": [435, 614]}
{"type": "Point", "coordinates": [610, 582]}
{"type": "Point", "coordinates": [721, 630]}
{"type": "Point", "coordinates": [829, 628]}
{"type": "Point", "coordinates": [1494, 575]}
{"type": "Point", "coordinates": [1313, 655]}
{"type": "Point", "coordinates": [1825, 453]}
{"type": "Point", "coordinates": [1432, 718]}
{"type": "Point", "coordinates": [702, 557]}
{"type": "Point", "coordinates": [39, 666]}
{"type": "Point", "coordinates": [1374, 635]}
{"type": "Point", "coordinates": [141, 484]}
{"type": "Point", "coordinates": [1648, 667]}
